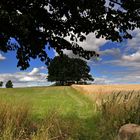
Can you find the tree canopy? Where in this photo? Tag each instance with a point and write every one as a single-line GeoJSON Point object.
{"type": "Point", "coordinates": [1, 83]}
{"type": "Point", "coordinates": [9, 84]}
{"type": "Point", "coordinates": [34, 23]}
{"type": "Point", "coordinates": [66, 70]}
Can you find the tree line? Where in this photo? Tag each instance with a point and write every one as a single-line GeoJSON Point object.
{"type": "Point", "coordinates": [8, 84]}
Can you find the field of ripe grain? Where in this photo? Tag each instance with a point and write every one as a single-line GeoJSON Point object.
{"type": "Point", "coordinates": [105, 89]}
{"type": "Point", "coordinates": [97, 93]}
{"type": "Point", "coordinates": [116, 104]}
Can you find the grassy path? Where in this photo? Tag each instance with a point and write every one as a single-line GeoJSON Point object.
{"type": "Point", "coordinates": [71, 106]}
{"type": "Point", "coordinates": [65, 99]}
{"type": "Point", "coordinates": [74, 96]}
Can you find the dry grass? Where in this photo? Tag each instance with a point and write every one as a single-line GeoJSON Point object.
{"type": "Point", "coordinates": [116, 104]}
{"type": "Point", "coordinates": [17, 123]}
{"type": "Point", "coordinates": [116, 110]}
{"type": "Point", "coordinates": [53, 113]}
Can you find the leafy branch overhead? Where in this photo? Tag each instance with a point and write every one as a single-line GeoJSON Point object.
{"type": "Point", "coordinates": [34, 23]}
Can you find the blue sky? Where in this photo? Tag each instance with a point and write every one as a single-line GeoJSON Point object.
{"type": "Point", "coordinates": [119, 63]}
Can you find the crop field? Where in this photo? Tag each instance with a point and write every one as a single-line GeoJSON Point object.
{"type": "Point", "coordinates": [67, 113]}
{"type": "Point", "coordinates": [102, 89]}
{"type": "Point", "coordinates": [99, 92]}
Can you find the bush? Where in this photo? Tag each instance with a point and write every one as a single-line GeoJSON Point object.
{"type": "Point", "coordinates": [1, 83]}
{"type": "Point", "coordinates": [116, 110]}
{"type": "Point", "coordinates": [9, 84]}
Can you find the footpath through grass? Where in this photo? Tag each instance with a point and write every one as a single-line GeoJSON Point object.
{"type": "Point", "coordinates": [63, 113]}
{"type": "Point", "coordinates": [73, 108]}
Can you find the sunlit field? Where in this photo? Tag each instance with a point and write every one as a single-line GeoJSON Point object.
{"type": "Point", "coordinates": [102, 89]}
{"type": "Point", "coordinates": [67, 113]}
{"type": "Point", "coordinates": [116, 104]}
{"type": "Point", "coordinates": [49, 113]}
{"type": "Point", "coordinates": [97, 92]}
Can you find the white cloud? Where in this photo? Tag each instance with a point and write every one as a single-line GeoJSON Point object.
{"type": "Point", "coordinates": [2, 57]}
{"type": "Point", "coordinates": [128, 76]}
{"type": "Point", "coordinates": [124, 70]}
{"type": "Point", "coordinates": [124, 64]}
{"type": "Point", "coordinates": [43, 68]}
{"type": "Point", "coordinates": [135, 57]}
{"type": "Point", "coordinates": [34, 71]}
{"type": "Point", "coordinates": [114, 52]}
{"type": "Point", "coordinates": [119, 76]}
{"type": "Point", "coordinates": [91, 44]}
{"type": "Point", "coordinates": [26, 79]}
{"type": "Point", "coordinates": [131, 55]}
{"type": "Point", "coordinates": [70, 53]}
{"type": "Point", "coordinates": [101, 80]}
{"type": "Point", "coordinates": [134, 43]}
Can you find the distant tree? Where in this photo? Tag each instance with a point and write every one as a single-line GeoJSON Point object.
{"type": "Point", "coordinates": [64, 70]}
{"type": "Point", "coordinates": [1, 83]}
{"type": "Point", "coordinates": [34, 23]}
{"type": "Point", "coordinates": [9, 84]}
{"type": "Point", "coordinates": [79, 70]}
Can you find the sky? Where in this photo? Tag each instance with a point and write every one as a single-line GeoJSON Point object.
{"type": "Point", "coordinates": [119, 63]}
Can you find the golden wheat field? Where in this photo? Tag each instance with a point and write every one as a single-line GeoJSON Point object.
{"type": "Point", "coordinates": [102, 89]}
{"type": "Point", "coordinates": [99, 92]}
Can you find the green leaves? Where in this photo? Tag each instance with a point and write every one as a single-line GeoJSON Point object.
{"type": "Point", "coordinates": [35, 23]}
{"type": "Point", "coordinates": [65, 69]}
{"type": "Point", "coordinates": [9, 84]}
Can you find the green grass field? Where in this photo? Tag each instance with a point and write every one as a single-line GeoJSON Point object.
{"type": "Point", "coordinates": [63, 113]}
{"type": "Point", "coordinates": [66, 100]}
{"type": "Point", "coordinates": [71, 106]}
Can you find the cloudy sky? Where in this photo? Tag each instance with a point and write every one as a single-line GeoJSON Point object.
{"type": "Point", "coordinates": [35, 75]}
{"type": "Point", "coordinates": [118, 63]}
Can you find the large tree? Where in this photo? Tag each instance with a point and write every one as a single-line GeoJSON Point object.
{"type": "Point", "coordinates": [34, 23]}
{"type": "Point", "coordinates": [68, 70]}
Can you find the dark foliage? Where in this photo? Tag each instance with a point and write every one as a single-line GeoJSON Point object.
{"type": "Point", "coordinates": [65, 70]}
{"type": "Point", "coordinates": [9, 84]}
{"type": "Point", "coordinates": [34, 23]}
{"type": "Point", "coordinates": [1, 83]}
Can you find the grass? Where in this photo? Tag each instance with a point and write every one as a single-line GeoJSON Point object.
{"type": "Point", "coordinates": [60, 108]}
{"type": "Point", "coordinates": [116, 110]}
{"type": "Point", "coordinates": [63, 113]}
{"type": "Point", "coordinates": [116, 104]}
{"type": "Point", "coordinates": [65, 99]}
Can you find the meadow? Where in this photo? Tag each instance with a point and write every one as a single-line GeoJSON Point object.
{"type": "Point", "coordinates": [66, 113]}
{"type": "Point", "coordinates": [59, 112]}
